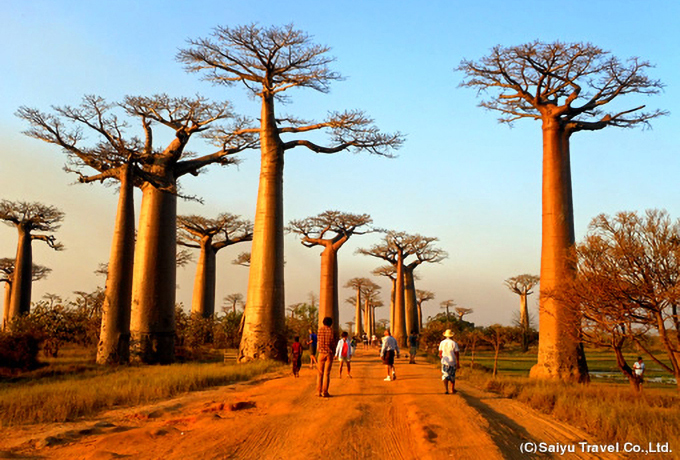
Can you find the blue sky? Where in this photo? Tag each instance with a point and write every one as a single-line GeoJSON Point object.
{"type": "Point", "coordinates": [460, 176]}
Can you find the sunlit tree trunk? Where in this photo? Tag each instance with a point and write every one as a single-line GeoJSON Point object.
{"type": "Point", "coordinates": [264, 324]}
{"type": "Point", "coordinates": [524, 320]}
{"type": "Point", "coordinates": [370, 327]}
{"type": "Point", "coordinates": [420, 316]}
{"type": "Point", "coordinates": [20, 301]}
{"type": "Point", "coordinates": [328, 294]}
{"type": "Point", "coordinates": [410, 301]}
{"type": "Point", "coordinates": [154, 279]}
{"type": "Point", "coordinates": [203, 300]}
{"type": "Point", "coordinates": [358, 327]}
{"type": "Point", "coordinates": [6, 304]}
{"type": "Point", "coordinates": [399, 330]}
{"type": "Point", "coordinates": [114, 342]}
{"type": "Point", "coordinates": [558, 349]}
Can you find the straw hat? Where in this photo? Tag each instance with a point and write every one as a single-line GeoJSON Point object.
{"type": "Point", "coordinates": [448, 333]}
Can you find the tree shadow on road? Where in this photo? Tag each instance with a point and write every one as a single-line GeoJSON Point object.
{"type": "Point", "coordinates": [504, 431]}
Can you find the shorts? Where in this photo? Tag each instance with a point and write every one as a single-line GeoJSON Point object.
{"type": "Point", "coordinates": [388, 358]}
{"type": "Point", "coordinates": [412, 351]}
{"type": "Point", "coordinates": [343, 360]}
{"type": "Point", "coordinates": [449, 372]}
{"type": "Point", "coordinates": [312, 350]}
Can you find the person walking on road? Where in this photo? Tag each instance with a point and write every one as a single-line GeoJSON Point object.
{"type": "Point", "coordinates": [296, 356]}
{"type": "Point", "coordinates": [450, 356]}
{"type": "Point", "coordinates": [344, 352]}
{"type": "Point", "coordinates": [412, 347]}
{"type": "Point", "coordinates": [389, 349]}
{"type": "Point", "coordinates": [326, 349]}
{"type": "Point", "coordinates": [311, 343]}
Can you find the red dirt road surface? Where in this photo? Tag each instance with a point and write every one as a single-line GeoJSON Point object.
{"type": "Point", "coordinates": [279, 417]}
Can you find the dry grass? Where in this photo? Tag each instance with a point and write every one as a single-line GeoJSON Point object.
{"type": "Point", "coordinates": [72, 396]}
{"type": "Point", "coordinates": [610, 412]}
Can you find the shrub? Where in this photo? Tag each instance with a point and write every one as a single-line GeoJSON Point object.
{"type": "Point", "coordinates": [19, 351]}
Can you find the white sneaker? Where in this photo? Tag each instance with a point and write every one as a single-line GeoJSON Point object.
{"type": "Point", "coordinates": [388, 379]}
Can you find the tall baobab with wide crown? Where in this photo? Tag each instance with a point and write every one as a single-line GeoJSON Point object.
{"type": "Point", "coordinates": [422, 296]}
{"type": "Point", "coordinates": [6, 276]}
{"type": "Point", "coordinates": [522, 285]}
{"type": "Point", "coordinates": [269, 61]}
{"type": "Point", "coordinates": [331, 230]}
{"type": "Point", "coordinates": [423, 250]}
{"type": "Point", "coordinates": [210, 236]}
{"type": "Point", "coordinates": [565, 86]}
{"type": "Point", "coordinates": [396, 248]}
{"type": "Point", "coordinates": [28, 218]}
{"type": "Point", "coordinates": [357, 284]}
{"type": "Point", "coordinates": [141, 276]}
{"type": "Point", "coordinates": [112, 158]}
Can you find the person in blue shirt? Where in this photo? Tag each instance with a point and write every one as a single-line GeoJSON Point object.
{"type": "Point", "coordinates": [312, 348]}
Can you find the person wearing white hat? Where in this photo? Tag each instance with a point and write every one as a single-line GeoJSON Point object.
{"type": "Point", "coordinates": [450, 355]}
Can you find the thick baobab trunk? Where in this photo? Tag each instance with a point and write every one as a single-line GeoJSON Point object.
{"type": "Point", "coordinates": [203, 300]}
{"type": "Point", "coordinates": [264, 324]}
{"type": "Point", "coordinates": [399, 330]}
{"type": "Point", "coordinates": [328, 294]}
{"type": "Point", "coordinates": [5, 305]}
{"type": "Point", "coordinates": [114, 342]}
{"type": "Point", "coordinates": [20, 301]}
{"type": "Point", "coordinates": [358, 327]}
{"type": "Point", "coordinates": [370, 329]}
{"type": "Point", "coordinates": [392, 296]}
{"type": "Point", "coordinates": [410, 302]}
{"type": "Point", "coordinates": [524, 320]}
{"type": "Point", "coordinates": [154, 279]}
{"type": "Point", "coordinates": [559, 354]}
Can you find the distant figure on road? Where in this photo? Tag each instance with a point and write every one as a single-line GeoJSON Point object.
{"type": "Point", "coordinates": [344, 352]}
{"type": "Point", "coordinates": [311, 343]}
{"type": "Point", "coordinates": [412, 347]}
{"type": "Point", "coordinates": [364, 339]}
{"type": "Point", "coordinates": [296, 356]}
{"type": "Point", "coordinates": [449, 354]}
{"type": "Point", "coordinates": [387, 352]}
{"type": "Point", "coordinates": [326, 348]}
{"type": "Point", "coordinates": [374, 340]}
{"type": "Point", "coordinates": [639, 368]}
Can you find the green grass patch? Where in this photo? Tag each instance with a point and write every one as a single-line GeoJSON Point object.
{"type": "Point", "coordinates": [64, 396]}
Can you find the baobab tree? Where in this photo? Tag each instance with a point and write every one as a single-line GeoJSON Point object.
{"type": "Point", "coordinates": [6, 276]}
{"type": "Point", "coordinates": [422, 296]}
{"type": "Point", "coordinates": [565, 86]}
{"type": "Point", "coordinates": [447, 305]}
{"type": "Point", "coordinates": [390, 272]}
{"type": "Point", "coordinates": [112, 157]}
{"type": "Point", "coordinates": [462, 311]}
{"type": "Point", "coordinates": [370, 292]}
{"type": "Point", "coordinates": [234, 300]}
{"type": "Point", "coordinates": [357, 284]}
{"type": "Point", "coordinates": [210, 236]}
{"type": "Point", "coordinates": [423, 250]}
{"type": "Point", "coordinates": [28, 218]}
{"type": "Point", "coordinates": [331, 230]}
{"type": "Point", "coordinates": [149, 283]}
{"type": "Point", "coordinates": [522, 285]}
{"type": "Point", "coordinates": [395, 248]}
{"type": "Point", "coordinates": [268, 62]}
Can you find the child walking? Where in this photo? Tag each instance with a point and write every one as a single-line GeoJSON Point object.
{"type": "Point", "coordinates": [296, 356]}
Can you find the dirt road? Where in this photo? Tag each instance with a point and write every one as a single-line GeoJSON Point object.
{"type": "Point", "coordinates": [278, 417]}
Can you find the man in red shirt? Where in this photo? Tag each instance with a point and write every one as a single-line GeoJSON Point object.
{"type": "Point", "coordinates": [326, 349]}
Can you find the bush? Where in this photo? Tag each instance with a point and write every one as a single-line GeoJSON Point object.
{"type": "Point", "coordinates": [19, 351]}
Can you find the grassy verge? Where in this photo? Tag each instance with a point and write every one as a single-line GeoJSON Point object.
{"type": "Point", "coordinates": [612, 413]}
{"type": "Point", "coordinates": [69, 397]}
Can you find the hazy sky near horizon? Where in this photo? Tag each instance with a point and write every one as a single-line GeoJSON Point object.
{"type": "Point", "coordinates": [460, 176]}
